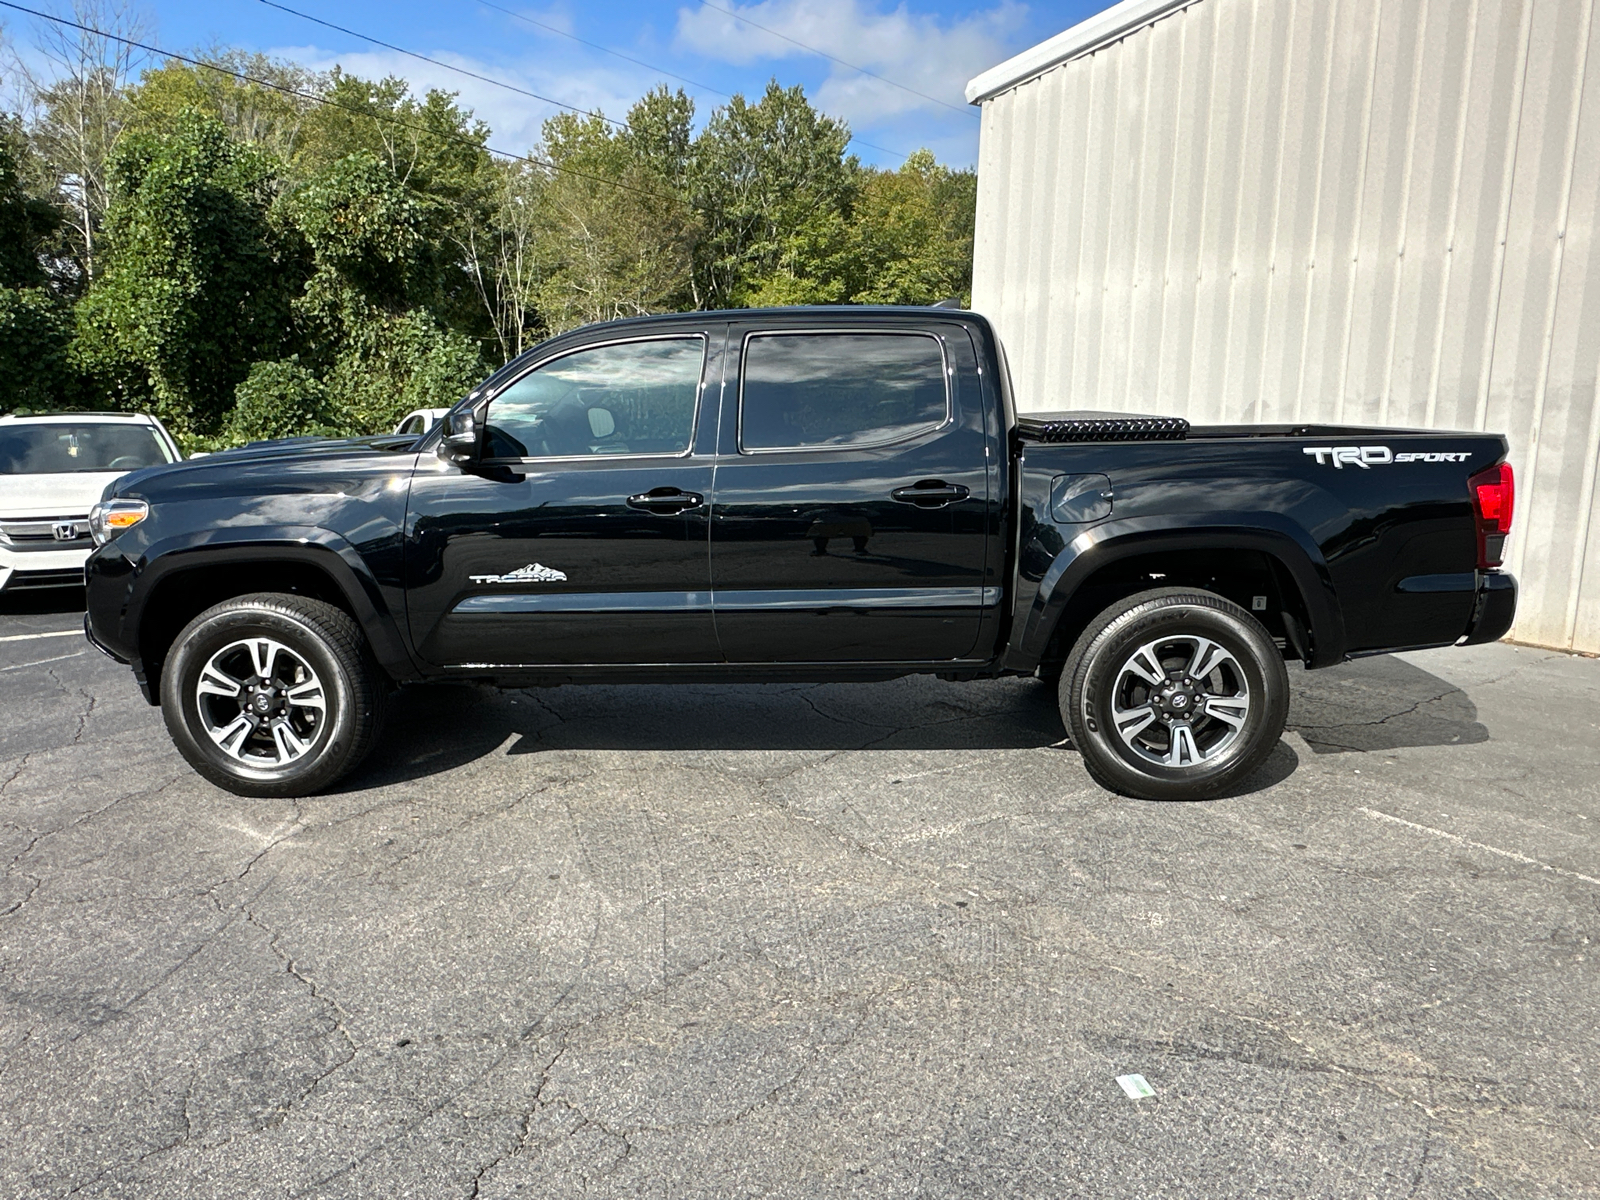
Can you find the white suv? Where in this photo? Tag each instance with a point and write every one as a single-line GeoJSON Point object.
{"type": "Point", "coordinates": [420, 420]}
{"type": "Point", "coordinates": [52, 471]}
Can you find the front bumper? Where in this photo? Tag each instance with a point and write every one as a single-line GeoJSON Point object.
{"type": "Point", "coordinates": [42, 568]}
{"type": "Point", "coordinates": [88, 632]}
{"type": "Point", "coordinates": [1494, 607]}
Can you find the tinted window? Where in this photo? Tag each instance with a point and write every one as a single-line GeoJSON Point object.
{"type": "Point", "coordinates": [631, 398]}
{"type": "Point", "coordinates": [58, 449]}
{"type": "Point", "coordinates": [839, 389]}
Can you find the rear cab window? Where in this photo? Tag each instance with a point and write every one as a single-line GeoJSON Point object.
{"type": "Point", "coordinates": [824, 390]}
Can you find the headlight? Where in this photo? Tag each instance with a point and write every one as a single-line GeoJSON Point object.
{"type": "Point", "coordinates": [109, 518]}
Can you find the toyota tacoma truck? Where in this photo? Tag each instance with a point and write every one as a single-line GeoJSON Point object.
{"type": "Point", "coordinates": [792, 494]}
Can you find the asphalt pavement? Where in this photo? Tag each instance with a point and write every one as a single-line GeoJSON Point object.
{"type": "Point", "coordinates": [880, 940]}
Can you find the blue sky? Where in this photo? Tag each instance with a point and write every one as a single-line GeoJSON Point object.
{"type": "Point", "coordinates": [930, 46]}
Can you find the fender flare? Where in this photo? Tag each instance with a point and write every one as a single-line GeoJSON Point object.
{"type": "Point", "coordinates": [1104, 544]}
{"type": "Point", "coordinates": [311, 545]}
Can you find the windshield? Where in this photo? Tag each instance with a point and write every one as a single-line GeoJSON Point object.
{"type": "Point", "coordinates": [57, 449]}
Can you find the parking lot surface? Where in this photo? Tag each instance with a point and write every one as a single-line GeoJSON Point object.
{"type": "Point", "coordinates": [866, 940]}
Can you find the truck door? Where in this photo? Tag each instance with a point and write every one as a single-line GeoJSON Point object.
{"type": "Point", "coordinates": [582, 537]}
{"type": "Point", "coordinates": [850, 521]}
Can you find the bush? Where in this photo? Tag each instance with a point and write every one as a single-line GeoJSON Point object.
{"type": "Point", "coordinates": [35, 327]}
{"type": "Point", "coordinates": [196, 281]}
{"type": "Point", "coordinates": [279, 399]}
{"type": "Point", "coordinates": [398, 364]}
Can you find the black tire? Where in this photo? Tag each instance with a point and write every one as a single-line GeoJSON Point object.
{"type": "Point", "coordinates": [1243, 701]}
{"type": "Point", "coordinates": [320, 654]}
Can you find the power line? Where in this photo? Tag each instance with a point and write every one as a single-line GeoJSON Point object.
{"type": "Point", "coordinates": [638, 62]}
{"type": "Point", "coordinates": [520, 90]}
{"type": "Point", "coordinates": [833, 58]}
{"type": "Point", "coordinates": [652, 66]}
{"type": "Point", "coordinates": [326, 102]}
{"type": "Point", "coordinates": [510, 87]}
{"type": "Point", "coordinates": [323, 100]}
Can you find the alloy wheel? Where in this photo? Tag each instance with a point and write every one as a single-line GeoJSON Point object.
{"type": "Point", "coordinates": [1180, 701]}
{"type": "Point", "coordinates": [260, 702]}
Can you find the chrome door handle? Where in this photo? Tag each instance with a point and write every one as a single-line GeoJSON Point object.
{"type": "Point", "coordinates": [931, 493]}
{"type": "Point", "coordinates": [666, 500]}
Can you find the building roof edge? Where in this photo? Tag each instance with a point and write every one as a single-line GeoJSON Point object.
{"type": "Point", "coordinates": [1083, 38]}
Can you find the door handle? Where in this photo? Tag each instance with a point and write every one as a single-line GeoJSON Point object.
{"type": "Point", "coordinates": [931, 493]}
{"type": "Point", "coordinates": [666, 500]}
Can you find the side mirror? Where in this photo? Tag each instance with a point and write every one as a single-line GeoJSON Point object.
{"type": "Point", "coordinates": [459, 443]}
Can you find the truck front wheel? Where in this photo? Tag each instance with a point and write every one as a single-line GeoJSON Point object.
{"type": "Point", "coordinates": [1174, 694]}
{"type": "Point", "coordinates": [272, 695]}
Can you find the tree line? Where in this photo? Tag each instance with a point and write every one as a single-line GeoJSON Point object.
{"type": "Point", "coordinates": [251, 249]}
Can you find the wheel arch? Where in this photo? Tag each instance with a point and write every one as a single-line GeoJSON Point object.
{"type": "Point", "coordinates": [1107, 564]}
{"type": "Point", "coordinates": [180, 581]}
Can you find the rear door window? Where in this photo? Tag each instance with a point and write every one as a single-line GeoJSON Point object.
{"type": "Point", "coordinates": [801, 391]}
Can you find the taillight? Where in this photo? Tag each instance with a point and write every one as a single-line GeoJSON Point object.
{"type": "Point", "coordinates": [1494, 494]}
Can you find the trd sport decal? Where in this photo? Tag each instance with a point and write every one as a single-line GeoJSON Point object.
{"type": "Point", "coordinates": [1367, 457]}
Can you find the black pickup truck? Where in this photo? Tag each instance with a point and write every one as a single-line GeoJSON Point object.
{"type": "Point", "coordinates": [794, 494]}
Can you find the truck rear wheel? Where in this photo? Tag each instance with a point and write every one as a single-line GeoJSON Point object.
{"type": "Point", "coordinates": [1174, 694]}
{"type": "Point", "coordinates": [272, 695]}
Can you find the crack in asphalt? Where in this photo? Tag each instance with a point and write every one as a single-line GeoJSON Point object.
{"type": "Point", "coordinates": [22, 765]}
{"type": "Point", "coordinates": [525, 1127]}
{"type": "Point", "coordinates": [438, 1105]}
{"type": "Point", "coordinates": [426, 839]}
{"type": "Point", "coordinates": [81, 819]}
{"type": "Point", "coordinates": [1302, 727]}
{"type": "Point", "coordinates": [339, 1016]}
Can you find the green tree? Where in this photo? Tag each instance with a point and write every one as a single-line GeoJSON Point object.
{"type": "Point", "coordinates": [259, 109]}
{"type": "Point", "coordinates": [77, 85]}
{"type": "Point", "coordinates": [366, 314]}
{"type": "Point", "coordinates": [616, 236]}
{"type": "Point", "coordinates": [197, 280]}
{"type": "Point", "coordinates": [276, 400]}
{"type": "Point", "coordinates": [503, 255]}
{"type": "Point", "coordinates": [35, 322]}
{"type": "Point", "coordinates": [435, 149]}
{"type": "Point", "coordinates": [911, 234]}
{"type": "Point", "coordinates": [26, 222]}
{"type": "Point", "coordinates": [252, 262]}
{"type": "Point", "coordinates": [660, 136]}
{"type": "Point", "coordinates": [774, 190]}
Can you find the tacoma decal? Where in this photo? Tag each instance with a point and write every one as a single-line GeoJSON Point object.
{"type": "Point", "coordinates": [532, 573]}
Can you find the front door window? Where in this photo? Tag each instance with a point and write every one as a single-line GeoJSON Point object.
{"type": "Point", "coordinates": [627, 398]}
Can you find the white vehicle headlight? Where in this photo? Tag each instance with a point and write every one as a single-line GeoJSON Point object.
{"type": "Point", "coordinates": [109, 518]}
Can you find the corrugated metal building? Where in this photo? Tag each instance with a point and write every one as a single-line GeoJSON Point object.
{"type": "Point", "coordinates": [1378, 211]}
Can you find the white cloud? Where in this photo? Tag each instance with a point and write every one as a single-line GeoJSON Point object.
{"type": "Point", "coordinates": [912, 49]}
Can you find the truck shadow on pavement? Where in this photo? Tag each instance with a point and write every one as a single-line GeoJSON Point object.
{"type": "Point", "coordinates": [437, 728]}
{"type": "Point", "coordinates": [1375, 704]}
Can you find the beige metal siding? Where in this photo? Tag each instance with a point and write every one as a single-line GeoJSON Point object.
{"type": "Point", "coordinates": [1377, 211]}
